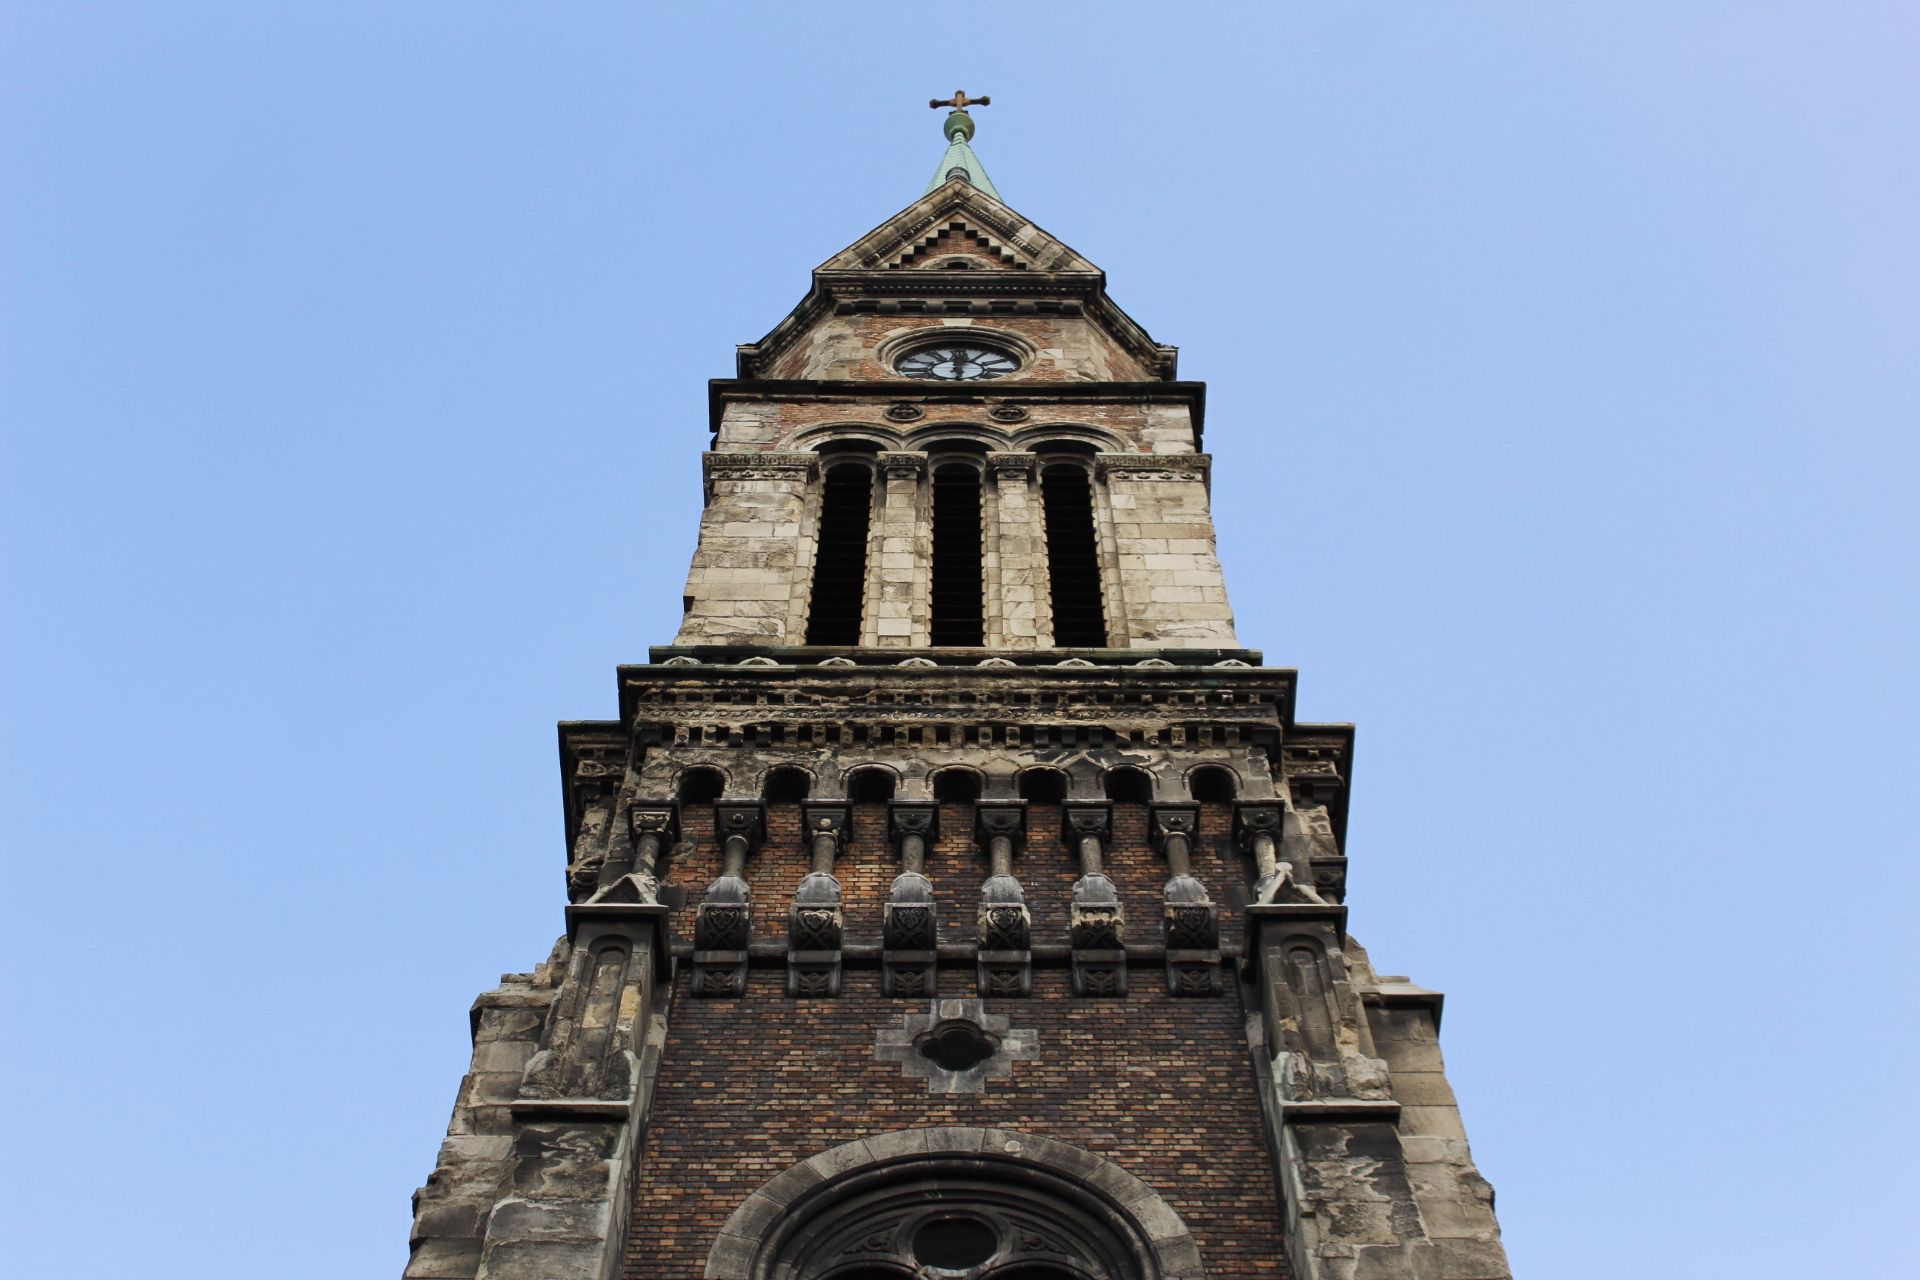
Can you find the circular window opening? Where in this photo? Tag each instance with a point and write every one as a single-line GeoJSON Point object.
{"type": "Point", "coordinates": [957, 362]}
{"type": "Point", "coordinates": [954, 1244]}
{"type": "Point", "coordinates": [956, 1046]}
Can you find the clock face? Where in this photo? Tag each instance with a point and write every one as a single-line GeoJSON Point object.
{"type": "Point", "coordinates": [957, 362]}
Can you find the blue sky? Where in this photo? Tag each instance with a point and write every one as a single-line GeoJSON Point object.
{"type": "Point", "coordinates": [1563, 393]}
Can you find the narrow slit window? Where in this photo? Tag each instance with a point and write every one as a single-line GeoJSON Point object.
{"type": "Point", "coordinates": [959, 616]}
{"type": "Point", "coordinates": [840, 565]}
{"type": "Point", "coordinates": [1073, 559]}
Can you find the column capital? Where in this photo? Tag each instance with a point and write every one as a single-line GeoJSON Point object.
{"type": "Point", "coordinates": [742, 818]}
{"type": "Point", "coordinates": [1001, 818]}
{"type": "Point", "coordinates": [1082, 818]}
{"type": "Point", "coordinates": [1252, 818]}
{"type": "Point", "coordinates": [1011, 465]}
{"type": "Point", "coordinates": [828, 819]}
{"type": "Point", "coordinates": [652, 818]}
{"type": "Point", "coordinates": [1175, 820]}
{"type": "Point", "coordinates": [913, 818]}
{"type": "Point", "coordinates": [902, 465]}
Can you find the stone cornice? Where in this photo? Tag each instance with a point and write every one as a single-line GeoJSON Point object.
{"type": "Point", "coordinates": [1257, 700]}
{"type": "Point", "coordinates": [758, 465]}
{"type": "Point", "coordinates": [1154, 466]}
{"type": "Point", "coordinates": [889, 390]}
{"type": "Point", "coordinates": [809, 656]}
{"type": "Point", "coordinates": [792, 467]}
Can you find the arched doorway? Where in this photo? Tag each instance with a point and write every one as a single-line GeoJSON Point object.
{"type": "Point", "coordinates": [960, 1203]}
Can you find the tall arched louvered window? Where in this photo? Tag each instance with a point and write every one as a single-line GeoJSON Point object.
{"type": "Point", "coordinates": [1073, 557]}
{"type": "Point", "coordinates": [840, 562]}
{"type": "Point", "coordinates": [959, 614]}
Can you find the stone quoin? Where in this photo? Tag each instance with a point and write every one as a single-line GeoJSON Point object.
{"type": "Point", "coordinates": [955, 897]}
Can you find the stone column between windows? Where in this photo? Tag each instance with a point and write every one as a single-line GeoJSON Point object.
{"type": "Point", "coordinates": [750, 572]}
{"type": "Point", "coordinates": [1017, 612]}
{"type": "Point", "coordinates": [1113, 583]}
{"type": "Point", "coordinates": [1163, 544]}
{"type": "Point", "coordinates": [899, 556]}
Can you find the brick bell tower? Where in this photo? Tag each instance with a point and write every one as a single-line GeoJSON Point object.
{"type": "Point", "coordinates": [955, 897]}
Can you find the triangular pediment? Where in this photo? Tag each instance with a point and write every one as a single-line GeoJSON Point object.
{"type": "Point", "coordinates": [957, 224]}
{"type": "Point", "coordinates": [1007, 266]}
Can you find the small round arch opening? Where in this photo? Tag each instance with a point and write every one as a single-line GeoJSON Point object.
{"type": "Point", "coordinates": [1129, 786]}
{"type": "Point", "coordinates": [872, 785]}
{"type": "Point", "coordinates": [700, 785]}
{"type": "Point", "coordinates": [1211, 784]}
{"type": "Point", "coordinates": [786, 785]}
{"type": "Point", "coordinates": [957, 786]}
{"type": "Point", "coordinates": [1043, 786]}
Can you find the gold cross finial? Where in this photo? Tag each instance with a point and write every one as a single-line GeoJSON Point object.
{"type": "Point", "coordinates": [960, 101]}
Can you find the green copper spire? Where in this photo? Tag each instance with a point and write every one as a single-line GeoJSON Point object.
{"type": "Point", "coordinates": [960, 162]}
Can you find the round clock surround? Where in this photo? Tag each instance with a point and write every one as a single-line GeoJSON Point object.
{"type": "Point", "coordinates": [957, 360]}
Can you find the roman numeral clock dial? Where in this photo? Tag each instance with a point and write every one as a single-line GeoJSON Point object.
{"type": "Point", "coordinates": [957, 362]}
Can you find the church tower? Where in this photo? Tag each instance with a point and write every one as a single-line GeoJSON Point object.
{"type": "Point", "coordinates": [955, 897]}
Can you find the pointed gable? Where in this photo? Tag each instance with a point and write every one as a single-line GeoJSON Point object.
{"type": "Point", "coordinates": [958, 255]}
{"type": "Point", "coordinates": [967, 218]}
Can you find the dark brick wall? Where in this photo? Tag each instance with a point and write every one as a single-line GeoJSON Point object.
{"type": "Point", "coordinates": [751, 1086]}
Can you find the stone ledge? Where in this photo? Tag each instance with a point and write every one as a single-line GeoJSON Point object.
{"type": "Point", "coordinates": [1340, 1110]}
{"type": "Point", "coordinates": [1406, 995]}
{"type": "Point", "coordinates": [590, 1110]}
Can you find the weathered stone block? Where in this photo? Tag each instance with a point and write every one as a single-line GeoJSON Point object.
{"type": "Point", "coordinates": [444, 1259]}
{"type": "Point", "coordinates": [542, 1260]}
{"type": "Point", "coordinates": [546, 1219]}
{"type": "Point", "coordinates": [1422, 1089]}
{"type": "Point", "coordinates": [1434, 1122]}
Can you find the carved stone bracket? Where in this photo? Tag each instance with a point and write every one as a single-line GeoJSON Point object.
{"type": "Point", "coordinates": [1003, 925]}
{"type": "Point", "coordinates": [1189, 920]}
{"type": "Point", "coordinates": [593, 801]}
{"type": "Point", "coordinates": [723, 925]}
{"type": "Point", "coordinates": [632, 873]}
{"type": "Point", "coordinates": [1096, 930]}
{"type": "Point", "coordinates": [910, 928]}
{"type": "Point", "coordinates": [1330, 878]}
{"type": "Point", "coordinates": [816, 924]}
{"type": "Point", "coordinates": [1283, 870]}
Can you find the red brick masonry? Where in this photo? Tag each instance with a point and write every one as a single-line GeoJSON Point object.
{"type": "Point", "coordinates": [751, 1086]}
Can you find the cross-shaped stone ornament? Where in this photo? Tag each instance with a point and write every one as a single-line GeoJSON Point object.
{"type": "Point", "coordinates": [960, 101]}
